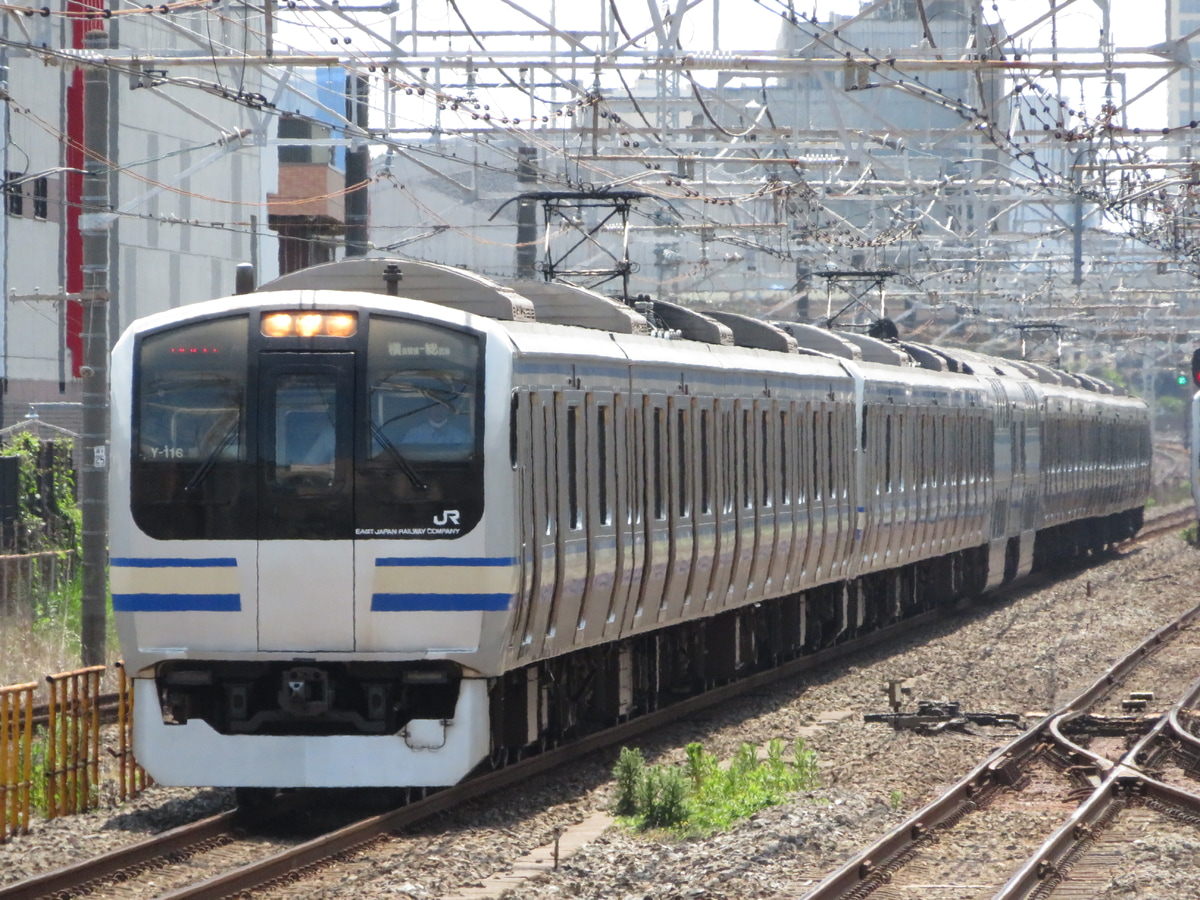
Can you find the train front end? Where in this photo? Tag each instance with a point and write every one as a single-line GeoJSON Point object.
{"type": "Point", "coordinates": [308, 588]}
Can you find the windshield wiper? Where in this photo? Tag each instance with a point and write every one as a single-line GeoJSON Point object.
{"type": "Point", "coordinates": [205, 467]}
{"type": "Point", "coordinates": [399, 459]}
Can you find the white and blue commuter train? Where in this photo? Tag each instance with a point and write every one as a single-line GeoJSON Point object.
{"type": "Point", "coordinates": [382, 521]}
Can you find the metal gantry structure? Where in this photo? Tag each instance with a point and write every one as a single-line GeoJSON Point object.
{"type": "Point", "coordinates": [991, 174]}
{"type": "Point", "coordinates": [1005, 167]}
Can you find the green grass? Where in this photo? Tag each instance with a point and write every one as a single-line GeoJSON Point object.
{"type": "Point", "coordinates": [44, 637]}
{"type": "Point", "coordinates": [702, 796]}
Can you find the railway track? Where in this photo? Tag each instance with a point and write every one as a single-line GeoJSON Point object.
{"type": "Point", "coordinates": [179, 849]}
{"type": "Point", "coordinates": [172, 859]}
{"type": "Point", "coordinates": [1167, 521]}
{"type": "Point", "coordinates": [1072, 793]}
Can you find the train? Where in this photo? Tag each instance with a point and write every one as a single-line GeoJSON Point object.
{"type": "Point", "coordinates": [1193, 432]}
{"type": "Point", "coordinates": [383, 523]}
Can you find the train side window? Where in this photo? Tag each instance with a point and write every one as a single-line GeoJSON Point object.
{"type": "Point", "coordinates": [831, 484]}
{"type": "Point", "coordinates": [817, 491]}
{"type": "Point", "coordinates": [576, 520]}
{"type": "Point", "coordinates": [705, 463]}
{"type": "Point", "coordinates": [682, 451]}
{"type": "Point", "coordinates": [603, 423]}
{"type": "Point", "coordinates": [919, 478]}
{"type": "Point", "coordinates": [747, 461]}
{"type": "Point", "coordinates": [837, 489]}
{"type": "Point", "coordinates": [547, 432]}
{"type": "Point", "coordinates": [723, 462]}
{"type": "Point", "coordinates": [656, 443]}
{"type": "Point", "coordinates": [513, 412]}
{"type": "Point", "coordinates": [785, 457]}
{"type": "Point", "coordinates": [887, 454]}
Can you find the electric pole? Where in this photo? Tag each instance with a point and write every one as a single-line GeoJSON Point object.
{"type": "Point", "coordinates": [95, 219]}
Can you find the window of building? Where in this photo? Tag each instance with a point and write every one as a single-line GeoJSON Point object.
{"type": "Point", "coordinates": [41, 197]}
{"type": "Point", "coordinates": [14, 194]}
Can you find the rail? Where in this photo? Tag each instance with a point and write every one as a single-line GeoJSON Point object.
{"type": "Point", "coordinates": [875, 865]}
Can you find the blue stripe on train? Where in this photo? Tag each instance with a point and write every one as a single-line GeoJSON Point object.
{"type": "Point", "coordinates": [439, 602]}
{"type": "Point", "coordinates": [132, 562]}
{"type": "Point", "coordinates": [446, 561]}
{"type": "Point", "coordinates": [176, 602]}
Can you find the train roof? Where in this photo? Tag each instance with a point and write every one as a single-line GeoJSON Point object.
{"type": "Point", "coordinates": [559, 303]}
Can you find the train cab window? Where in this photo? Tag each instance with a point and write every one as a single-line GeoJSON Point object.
{"type": "Point", "coordinates": [305, 430]}
{"type": "Point", "coordinates": [192, 393]}
{"type": "Point", "coordinates": [189, 459]}
{"type": "Point", "coordinates": [419, 472]}
{"type": "Point", "coordinates": [422, 383]}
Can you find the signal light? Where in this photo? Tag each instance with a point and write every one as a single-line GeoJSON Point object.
{"type": "Point", "coordinates": [1181, 380]}
{"type": "Point", "coordinates": [308, 324]}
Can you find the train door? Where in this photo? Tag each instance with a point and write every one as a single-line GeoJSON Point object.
{"type": "Point", "coordinates": [679, 455]}
{"type": "Point", "coordinates": [523, 439]}
{"type": "Point", "coordinates": [627, 490]}
{"type": "Point", "coordinates": [704, 543]}
{"type": "Point", "coordinates": [724, 513]}
{"type": "Point", "coordinates": [543, 476]}
{"type": "Point", "coordinates": [571, 548]}
{"type": "Point", "coordinates": [605, 553]}
{"type": "Point", "coordinates": [764, 500]}
{"type": "Point", "coordinates": [305, 493]}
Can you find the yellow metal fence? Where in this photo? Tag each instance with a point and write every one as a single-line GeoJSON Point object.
{"type": "Point", "coordinates": [56, 760]}
{"type": "Point", "coordinates": [16, 758]}
{"type": "Point", "coordinates": [131, 777]}
{"type": "Point", "coordinates": [73, 751]}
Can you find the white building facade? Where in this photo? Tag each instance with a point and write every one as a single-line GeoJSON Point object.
{"type": "Point", "coordinates": [191, 171]}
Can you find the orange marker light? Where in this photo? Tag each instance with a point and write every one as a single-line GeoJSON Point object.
{"type": "Point", "coordinates": [277, 324]}
{"type": "Point", "coordinates": [340, 324]}
{"type": "Point", "coordinates": [309, 324]}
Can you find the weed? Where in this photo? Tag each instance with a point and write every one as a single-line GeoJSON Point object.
{"type": "Point", "coordinates": [701, 796]}
{"type": "Point", "coordinates": [662, 800]}
{"type": "Point", "coordinates": [630, 770]}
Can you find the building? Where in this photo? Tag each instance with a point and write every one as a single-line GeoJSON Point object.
{"type": "Point", "coordinates": [188, 192]}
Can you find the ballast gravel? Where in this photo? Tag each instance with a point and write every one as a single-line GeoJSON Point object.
{"type": "Point", "coordinates": [1026, 652]}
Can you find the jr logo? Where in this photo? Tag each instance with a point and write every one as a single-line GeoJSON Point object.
{"type": "Point", "coordinates": [448, 517]}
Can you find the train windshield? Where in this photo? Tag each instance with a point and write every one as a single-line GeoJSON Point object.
{"type": "Point", "coordinates": [421, 474]}
{"type": "Point", "coordinates": [240, 435]}
{"type": "Point", "coordinates": [421, 391]}
{"type": "Point", "coordinates": [191, 449]}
